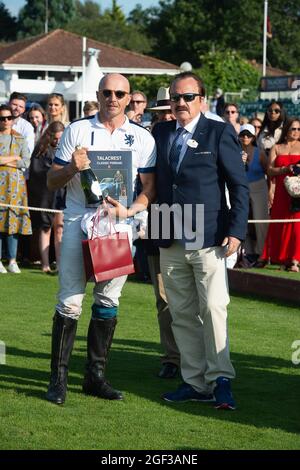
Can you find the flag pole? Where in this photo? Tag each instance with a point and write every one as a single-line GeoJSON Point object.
{"type": "Point", "coordinates": [265, 39]}
{"type": "Point", "coordinates": [83, 73]}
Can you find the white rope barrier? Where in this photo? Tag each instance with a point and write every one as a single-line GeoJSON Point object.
{"type": "Point", "coordinates": [11, 206]}
{"type": "Point", "coordinates": [55, 211]}
{"type": "Point", "coordinates": [272, 221]}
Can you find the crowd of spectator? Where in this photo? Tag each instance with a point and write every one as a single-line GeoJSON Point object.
{"type": "Point", "coordinates": [30, 135]}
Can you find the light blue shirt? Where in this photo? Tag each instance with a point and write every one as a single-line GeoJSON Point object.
{"type": "Point", "coordinates": [187, 134]}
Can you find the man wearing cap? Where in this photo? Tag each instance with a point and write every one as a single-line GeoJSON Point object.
{"type": "Point", "coordinates": [196, 157]}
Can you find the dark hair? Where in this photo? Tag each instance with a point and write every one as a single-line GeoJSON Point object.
{"type": "Point", "coordinates": [286, 128]}
{"type": "Point", "coordinates": [269, 125]}
{"type": "Point", "coordinates": [37, 107]}
{"type": "Point", "coordinates": [15, 95]}
{"type": "Point", "coordinates": [90, 106]}
{"type": "Point", "coordinates": [5, 107]}
{"type": "Point", "coordinates": [226, 105]}
{"type": "Point", "coordinates": [138, 92]}
{"type": "Point", "coordinates": [255, 119]}
{"type": "Point", "coordinates": [43, 143]}
{"type": "Point", "coordinates": [183, 75]}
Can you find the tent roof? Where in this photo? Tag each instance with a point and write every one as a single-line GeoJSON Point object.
{"type": "Point", "coordinates": [93, 75]}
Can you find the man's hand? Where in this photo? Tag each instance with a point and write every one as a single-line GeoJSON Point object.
{"type": "Point", "coordinates": [79, 160]}
{"type": "Point", "coordinates": [233, 245]}
{"type": "Point", "coordinates": [118, 210]}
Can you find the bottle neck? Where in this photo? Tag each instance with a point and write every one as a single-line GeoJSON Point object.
{"type": "Point", "coordinates": [87, 167]}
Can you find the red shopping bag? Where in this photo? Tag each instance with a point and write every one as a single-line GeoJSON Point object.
{"type": "Point", "coordinates": [108, 256]}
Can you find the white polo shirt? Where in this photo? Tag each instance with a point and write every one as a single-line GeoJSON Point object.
{"type": "Point", "coordinates": [90, 133]}
{"type": "Point", "coordinates": [26, 130]}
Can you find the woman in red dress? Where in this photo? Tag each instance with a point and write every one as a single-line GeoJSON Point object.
{"type": "Point", "coordinates": [282, 244]}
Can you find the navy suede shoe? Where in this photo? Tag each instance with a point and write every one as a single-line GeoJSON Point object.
{"type": "Point", "coordinates": [223, 395]}
{"type": "Point", "coordinates": [186, 392]}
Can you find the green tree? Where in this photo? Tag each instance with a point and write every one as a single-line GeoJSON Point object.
{"type": "Point", "coordinates": [115, 14]}
{"type": "Point", "coordinates": [229, 71]}
{"type": "Point", "coordinates": [149, 84]}
{"type": "Point", "coordinates": [187, 29]}
{"type": "Point", "coordinates": [89, 9]}
{"type": "Point", "coordinates": [33, 15]}
{"type": "Point", "coordinates": [140, 18]}
{"type": "Point", "coordinates": [8, 24]}
{"type": "Point", "coordinates": [284, 47]}
{"type": "Point", "coordinates": [179, 30]}
{"type": "Point", "coordinates": [110, 27]}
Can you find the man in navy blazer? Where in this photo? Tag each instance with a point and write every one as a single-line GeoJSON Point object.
{"type": "Point", "coordinates": [197, 158]}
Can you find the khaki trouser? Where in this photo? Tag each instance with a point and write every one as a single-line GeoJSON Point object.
{"type": "Point", "coordinates": [167, 341]}
{"type": "Point", "coordinates": [197, 292]}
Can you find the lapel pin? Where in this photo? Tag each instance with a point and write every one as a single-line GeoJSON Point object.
{"type": "Point", "coordinates": [192, 143]}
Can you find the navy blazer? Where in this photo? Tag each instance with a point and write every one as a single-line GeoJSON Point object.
{"type": "Point", "coordinates": [201, 179]}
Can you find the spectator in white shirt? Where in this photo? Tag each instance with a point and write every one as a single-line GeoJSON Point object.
{"type": "Point", "coordinates": [17, 102]}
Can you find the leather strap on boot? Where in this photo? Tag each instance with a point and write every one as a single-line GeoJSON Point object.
{"type": "Point", "coordinates": [63, 336]}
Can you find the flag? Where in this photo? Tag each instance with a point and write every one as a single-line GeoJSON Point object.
{"type": "Point", "coordinates": [269, 29]}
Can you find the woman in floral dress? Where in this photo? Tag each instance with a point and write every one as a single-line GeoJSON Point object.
{"type": "Point", "coordinates": [14, 159]}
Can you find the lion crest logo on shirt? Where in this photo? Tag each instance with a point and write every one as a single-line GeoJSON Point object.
{"type": "Point", "coordinates": [129, 139]}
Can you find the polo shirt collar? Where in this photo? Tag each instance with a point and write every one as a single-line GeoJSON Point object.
{"type": "Point", "coordinates": [124, 127]}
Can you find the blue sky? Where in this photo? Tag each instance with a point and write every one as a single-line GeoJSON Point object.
{"type": "Point", "coordinates": [127, 5]}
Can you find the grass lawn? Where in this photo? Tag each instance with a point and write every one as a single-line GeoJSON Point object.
{"type": "Point", "coordinates": [266, 389]}
{"type": "Point", "coordinates": [274, 270]}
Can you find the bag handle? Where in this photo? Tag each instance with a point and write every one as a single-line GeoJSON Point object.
{"type": "Point", "coordinates": [96, 219]}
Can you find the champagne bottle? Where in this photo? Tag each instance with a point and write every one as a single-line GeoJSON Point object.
{"type": "Point", "coordinates": [90, 185]}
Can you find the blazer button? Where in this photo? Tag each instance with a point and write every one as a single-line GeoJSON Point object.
{"type": "Point", "coordinates": [174, 186]}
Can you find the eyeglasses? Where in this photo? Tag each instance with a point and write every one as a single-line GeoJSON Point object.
{"type": "Point", "coordinates": [187, 97]}
{"type": "Point", "coordinates": [4, 118]}
{"type": "Point", "coordinates": [295, 129]}
{"type": "Point", "coordinates": [119, 94]}
{"type": "Point", "coordinates": [257, 127]}
{"type": "Point", "coordinates": [276, 111]}
{"type": "Point", "coordinates": [137, 101]}
{"type": "Point", "coordinates": [230, 112]}
{"type": "Point", "coordinates": [246, 135]}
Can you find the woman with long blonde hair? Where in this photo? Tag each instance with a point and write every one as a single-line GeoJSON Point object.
{"type": "Point", "coordinates": [57, 109]}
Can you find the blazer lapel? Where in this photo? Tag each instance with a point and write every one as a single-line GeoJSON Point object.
{"type": "Point", "coordinates": [198, 136]}
{"type": "Point", "coordinates": [170, 131]}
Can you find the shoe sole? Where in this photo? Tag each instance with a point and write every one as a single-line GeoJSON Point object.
{"type": "Point", "coordinates": [94, 394]}
{"type": "Point", "coordinates": [210, 400]}
{"type": "Point", "coordinates": [55, 402]}
{"type": "Point", "coordinates": [225, 406]}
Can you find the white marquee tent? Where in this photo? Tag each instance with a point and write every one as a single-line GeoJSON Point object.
{"type": "Point", "coordinates": [84, 89]}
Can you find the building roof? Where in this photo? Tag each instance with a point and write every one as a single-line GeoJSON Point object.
{"type": "Point", "coordinates": [271, 71]}
{"type": "Point", "coordinates": [62, 48]}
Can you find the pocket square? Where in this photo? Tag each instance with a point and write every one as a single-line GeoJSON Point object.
{"type": "Point", "coordinates": [203, 153]}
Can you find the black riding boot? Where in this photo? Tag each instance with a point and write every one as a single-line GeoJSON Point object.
{"type": "Point", "coordinates": [100, 337]}
{"type": "Point", "coordinates": [63, 336]}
